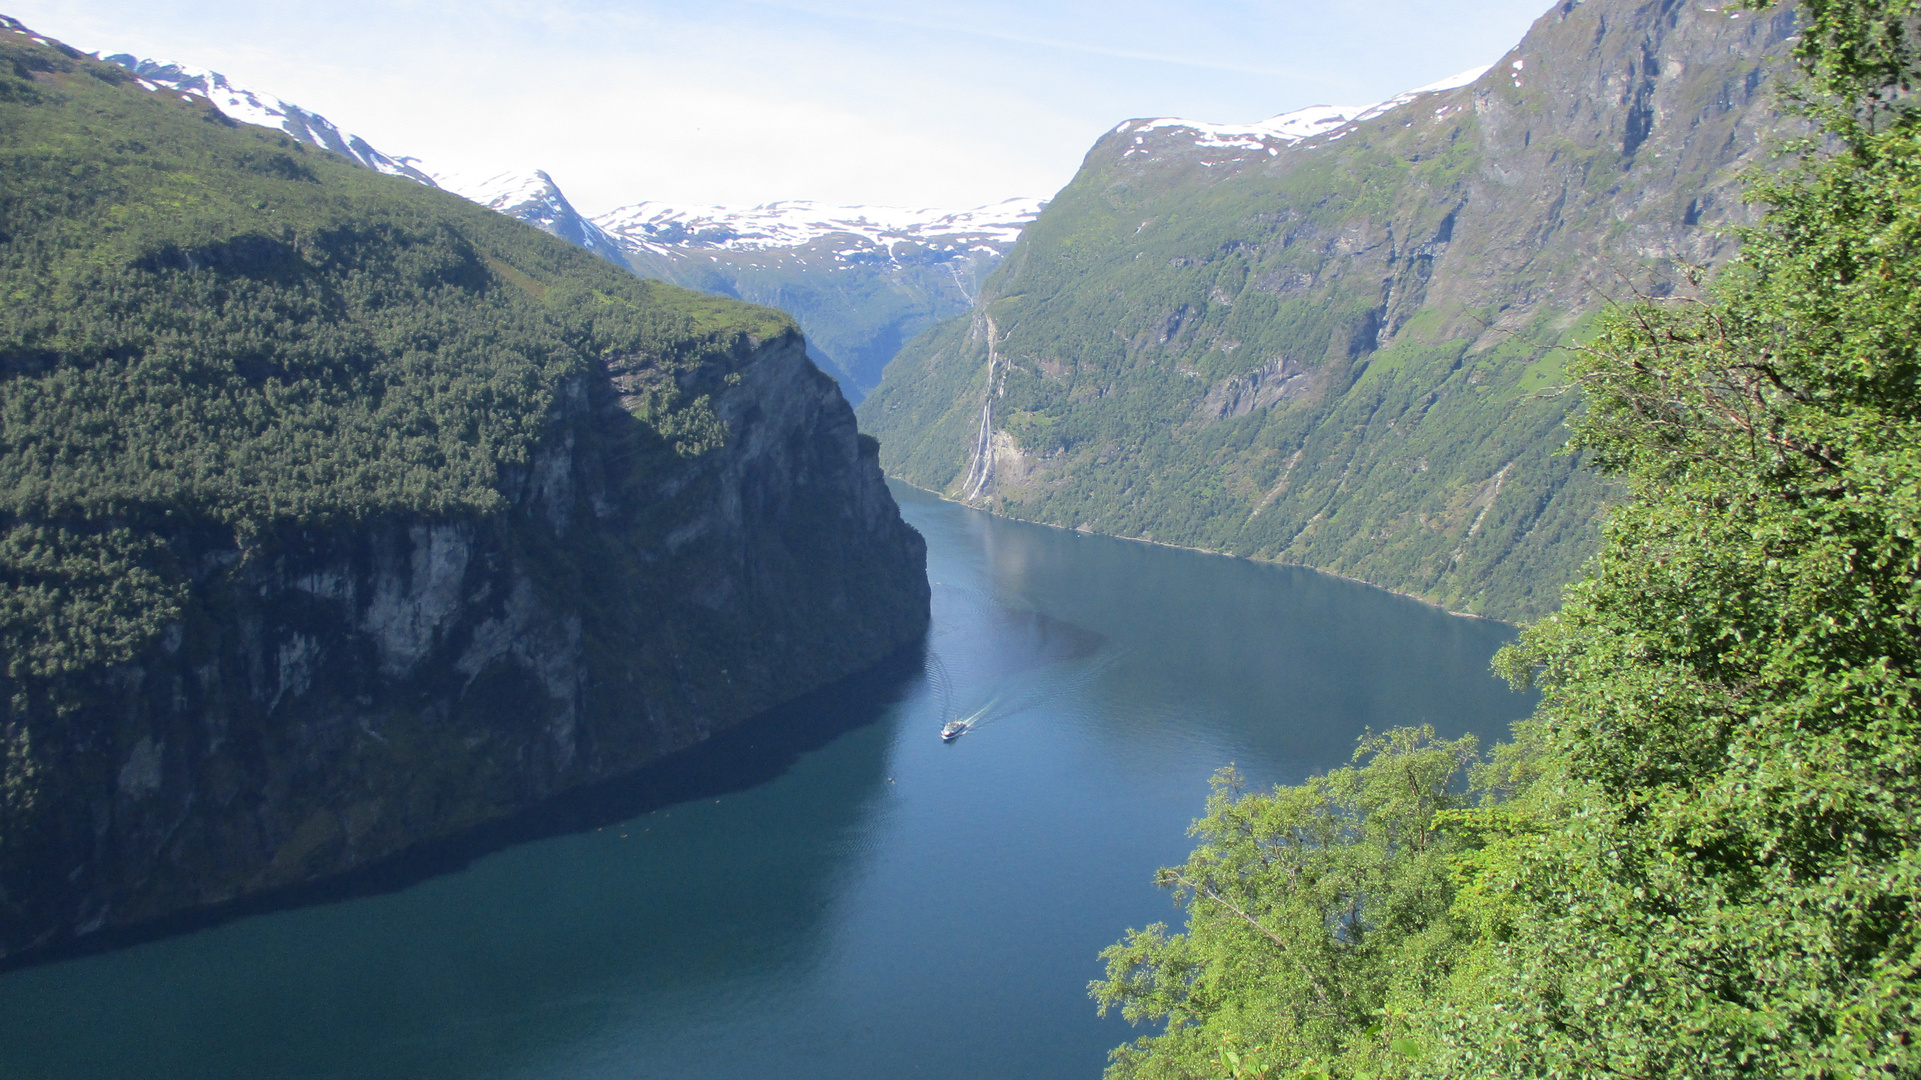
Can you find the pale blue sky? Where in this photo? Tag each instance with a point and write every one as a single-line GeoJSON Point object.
{"type": "Point", "coordinates": [938, 103]}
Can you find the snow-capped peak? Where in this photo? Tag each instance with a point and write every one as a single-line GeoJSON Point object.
{"type": "Point", "coordinates": [263, 110]}
{"type": "Point", "coordinates": [501, 191]}
{"type": "Point", "coordinates": [533, 197]}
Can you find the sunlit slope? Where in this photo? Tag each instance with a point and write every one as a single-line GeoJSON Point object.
{"type": "Point", "coordinates": [1336, 351]}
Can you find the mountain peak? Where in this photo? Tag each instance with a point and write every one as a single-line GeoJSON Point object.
{"type": "Point", "coordinates": [533, 197]}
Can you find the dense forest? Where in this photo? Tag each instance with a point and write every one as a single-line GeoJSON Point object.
{"type": "Point", "coordinates": [354, 357]}
{"type": "Point", "coordinates": [1702, 856]}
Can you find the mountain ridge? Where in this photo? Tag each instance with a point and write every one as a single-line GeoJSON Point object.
{"type": "Point", "coordinates": [1338, 349]}
{"type": "Point", "coordinates": [1288, 128]}
{"type": "Point", "coordinates": [261, 109]}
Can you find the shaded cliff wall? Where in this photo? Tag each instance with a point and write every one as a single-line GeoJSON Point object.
{"type": "Point", "coordinates": [332, 696]}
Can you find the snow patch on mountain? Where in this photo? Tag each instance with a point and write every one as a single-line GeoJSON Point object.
{"type": "Point", "coordinates": [1452, 82]}
{"type": "Point", "coordinates": [664, 227]}
{"type": "Point", "coordinates": [17, 27]}
{"type": "Point", "coordinates": [1287, 128]}
{"type": "Point", "coordinates": [261, 109]}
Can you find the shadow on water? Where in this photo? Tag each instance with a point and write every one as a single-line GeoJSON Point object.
{"type": "Point", "coordinates": [753, 753]}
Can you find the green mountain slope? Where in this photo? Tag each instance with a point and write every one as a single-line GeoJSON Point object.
{"type": "Point", "coordinates": [1336, 351]}
{"type": "Point", "coordinates": [338, 513]}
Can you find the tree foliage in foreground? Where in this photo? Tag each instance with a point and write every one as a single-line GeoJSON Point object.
{"type": "Point", "coordinates": [1702, 857]}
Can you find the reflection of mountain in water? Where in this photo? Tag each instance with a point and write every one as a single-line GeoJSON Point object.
{"type": "Point", "coordinates": [609, 907]}
{"type": "Point", "coordinates": [1316, 656]}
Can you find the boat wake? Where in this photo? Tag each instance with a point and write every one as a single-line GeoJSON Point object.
{"type": "Point", "coordinates": [1026, 693]}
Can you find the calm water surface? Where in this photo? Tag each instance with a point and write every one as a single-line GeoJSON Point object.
{"type": "Point", "coordinates": [836, 893]}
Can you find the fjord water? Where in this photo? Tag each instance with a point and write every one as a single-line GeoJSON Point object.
{"type": "Point", "coordinates": [831, 892]}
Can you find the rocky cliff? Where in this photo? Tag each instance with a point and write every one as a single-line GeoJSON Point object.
{"type": "Point", "coordinates": [338, 514]}
{"type": "Point", "coordinates": [1329, 341]}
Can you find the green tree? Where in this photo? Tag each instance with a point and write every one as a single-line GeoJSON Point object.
{"type": "Point", "coordinates": [1736, 681]}
{"type": "Point", "coordinates": [1702, 857]}
{"type": "Point", "coordinates": [1317, 915]}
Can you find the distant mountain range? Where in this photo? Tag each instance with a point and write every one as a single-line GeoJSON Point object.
{"type": "Point", "coordinates": [862, 280]}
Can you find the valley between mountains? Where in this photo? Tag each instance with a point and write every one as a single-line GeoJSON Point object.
{"type": "Point", "coordinates": [447, 635]}
{"type": "Point", "coordinates": [862, 280]}
{"type": "Point", "coordinates": [1332, 338]}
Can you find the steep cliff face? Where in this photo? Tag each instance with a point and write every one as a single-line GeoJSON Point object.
{"type": "Point", "coordinates": [1329, 343]}
{"type": "Point", "coordinates": [333, 696]}
{"type": "Point", "coordinates": [338, 514]}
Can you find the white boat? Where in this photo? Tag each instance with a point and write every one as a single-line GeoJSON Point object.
{"type": "Point", "coordinates": [954, 729]}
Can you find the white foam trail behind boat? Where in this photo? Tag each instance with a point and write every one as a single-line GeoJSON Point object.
{"type": "Point", "coordinates": [1040, 688]}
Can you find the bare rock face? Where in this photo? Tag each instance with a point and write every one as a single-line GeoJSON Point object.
{"type": "Point", "coordinates": [1261, 388]}
{"type": "Point", "coordinates": [335, 696]}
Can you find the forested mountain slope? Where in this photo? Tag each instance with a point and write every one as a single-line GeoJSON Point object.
{"type": "Point", "coordinates": [338, 513]}
{"type": "Point", "coordinates": [1334, 350]}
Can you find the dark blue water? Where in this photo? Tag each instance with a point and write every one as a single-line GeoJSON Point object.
{"type": "Point", "coordinates": [834, 893]}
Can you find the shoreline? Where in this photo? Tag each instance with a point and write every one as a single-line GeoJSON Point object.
{"type": "Point", "coordinates": [1209, 551]}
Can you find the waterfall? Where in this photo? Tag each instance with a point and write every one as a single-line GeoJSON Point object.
{"type": "Point", "coordinates": [980, 470]}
